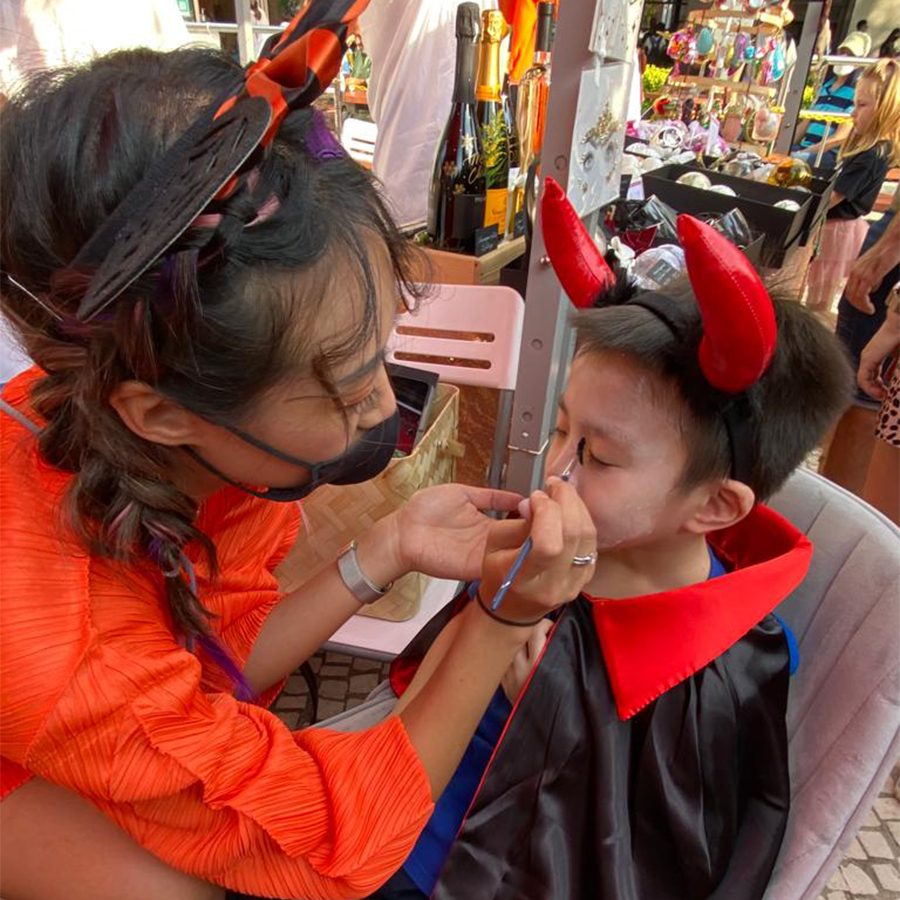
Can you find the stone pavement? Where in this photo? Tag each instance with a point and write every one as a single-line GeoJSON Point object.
{"type": "Point", "coordinates": [871, 870]}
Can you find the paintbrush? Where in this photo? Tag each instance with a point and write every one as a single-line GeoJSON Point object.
{"type": "Point", "coordinates": [526, 547]}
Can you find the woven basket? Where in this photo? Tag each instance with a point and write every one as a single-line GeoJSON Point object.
{"type": "Point", "coordinates": [334, 515]}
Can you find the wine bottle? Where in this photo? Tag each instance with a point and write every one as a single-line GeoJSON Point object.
{"type": "Point", "coordinates": [457, 199]}
{"type": "Point", "coordinates": [534, 89]}
{"type": "Point", "coordinates": [516, 185]}
{"type": "Point", "coordinates": [491, 120]}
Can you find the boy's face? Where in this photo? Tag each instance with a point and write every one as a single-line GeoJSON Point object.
{"type": "Point", "coordinates": [634, 452]}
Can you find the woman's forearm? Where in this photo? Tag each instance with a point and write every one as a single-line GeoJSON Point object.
{"type": "Point", "coordinates": [307, 617]}
{"type": "Point", "coordinates": [443, 709]}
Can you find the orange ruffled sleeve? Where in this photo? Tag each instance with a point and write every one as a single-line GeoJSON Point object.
{"type": "Point", "coordinates": [98, 696]}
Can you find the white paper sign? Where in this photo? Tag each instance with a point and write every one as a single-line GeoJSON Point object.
{"type": "Point", "coordinates": [595, 166]}
{"type": "Point", "coordinates": [616, 26]}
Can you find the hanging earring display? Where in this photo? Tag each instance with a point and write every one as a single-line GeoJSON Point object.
{"type": "Point", "coordinates": [615, 32]}
{"type": "Point", "coordinates": [598, 138]}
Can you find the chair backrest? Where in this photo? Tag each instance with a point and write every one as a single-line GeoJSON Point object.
{"type": "Point", "coordinates": [358, 139]}
{"type": "Point", "coordinates": [469, 335]}
{"type": "Point", "coordinates": [844, 706]}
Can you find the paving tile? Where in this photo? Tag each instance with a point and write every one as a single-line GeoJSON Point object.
{"type": "Point", "coordinates": [333, 690]}
{"type": "Point", "coordinates": [328, 708]}
{"type": "Point", "coordinates": [887, 876]}
{"type": "Point", "coordinates": [856, 851]}
{"type": "Point", "coordinates": [366, 665]}
{"type": "Point", "coordinates": [296, 684]}
{"type": "Point", "coordinates": [340, 659]}
{"type": "Point", "coordinates": [888, 808]}
{"type": "Point", "coordinates": [875, 844]}
{"type": "Point", "coordinates": [364, 684]}
{"type": "Point", "coordinates": [837, 882]}
{"type": "Point", "coordinates": [858, 882]}
{"type": "Point", "coordinates": [871, 820]}
{"type": "Point", "coordinates": [835, 895]}
{"type": "Point", "coordinates": [895, 830]}
{"type": "Point", "coordinates": [331, 671]}
{"type": "Point", "coordinates": [290, 702]}
{"type": "Point", "coordinates": [290, 718]}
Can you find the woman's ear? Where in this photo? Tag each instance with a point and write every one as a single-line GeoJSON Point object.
{"type": "Point", "coordinates": [726, 504]}
{"type": "Point", "coordinates": [153, 417]}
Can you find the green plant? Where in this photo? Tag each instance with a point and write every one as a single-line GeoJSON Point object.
{"type": "Point", "coordinates": [654, 79]}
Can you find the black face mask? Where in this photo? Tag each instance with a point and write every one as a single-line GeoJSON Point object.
{"type": "Point", "coordinates": [365, 459]}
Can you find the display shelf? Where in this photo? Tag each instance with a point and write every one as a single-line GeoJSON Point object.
{"type": "Point", "coordinates": [774, 21]}
{"type": "Point", "coordinates": [461, 268]}
{"type": "Point", "coordinates": [706, 81]}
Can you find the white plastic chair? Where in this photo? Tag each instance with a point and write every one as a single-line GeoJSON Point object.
{"type": "Point", "coordinates": [468, 335]}
{"type": "Point", "coordinates": [844, 704]}
{"type": "Point", "coordinates": [358, 139]}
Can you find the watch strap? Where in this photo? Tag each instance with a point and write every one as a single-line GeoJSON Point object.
{"type": "Point", "coordinates": [355, 579]}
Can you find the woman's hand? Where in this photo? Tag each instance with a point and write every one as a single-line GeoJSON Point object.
{"type": "Point", "coordinates": [883, 344]}
{"type": "Point", "coordinates": [442, 531]}
{"type": "Point", "coordinates": [525, 660]}
{"type": "Point", "coordinates": [560, 528]}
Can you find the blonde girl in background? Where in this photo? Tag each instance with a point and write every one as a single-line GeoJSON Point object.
{"type": "Point", "coordinates": [872, 148]}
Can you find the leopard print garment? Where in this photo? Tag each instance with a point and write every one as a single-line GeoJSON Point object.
{"type": "Point", "coordinates": [888, 428]}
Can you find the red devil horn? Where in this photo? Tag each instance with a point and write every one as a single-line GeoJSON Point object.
{"type": "Point", "coordinates": [738, 318]}
{"type": "Point", "coordinates": [576, 259]}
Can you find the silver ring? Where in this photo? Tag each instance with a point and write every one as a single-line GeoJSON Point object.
{"type": "Point", "coordinates": [588, 560]}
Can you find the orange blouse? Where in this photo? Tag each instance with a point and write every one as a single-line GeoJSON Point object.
{"type": "Point", "coordinates": [99, 696]}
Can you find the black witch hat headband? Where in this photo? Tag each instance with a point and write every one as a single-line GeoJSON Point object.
{"type": "Point", "coordinates": [214, 156]}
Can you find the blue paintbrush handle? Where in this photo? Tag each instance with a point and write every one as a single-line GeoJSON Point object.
{"type": "Point", "coordinates": [513, 571]}
{"type": "Point", "coordinates": [529, 543]}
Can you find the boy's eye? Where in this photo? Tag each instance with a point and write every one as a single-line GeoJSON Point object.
{"type": "Point", "coordinates": [588, 459]}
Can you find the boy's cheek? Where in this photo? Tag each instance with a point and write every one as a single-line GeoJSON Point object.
{"type": "Point", "coordinates": [619, 523]}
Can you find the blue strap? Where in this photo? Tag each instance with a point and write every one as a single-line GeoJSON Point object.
{"type": "Point", "coordinates": [793, 646]}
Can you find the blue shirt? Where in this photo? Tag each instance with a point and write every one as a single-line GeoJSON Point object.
{"type": "Point", "coordinates": [830, 99]}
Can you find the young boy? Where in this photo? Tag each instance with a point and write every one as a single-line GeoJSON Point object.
{"type": "Point", "coordinates": [646, 756]}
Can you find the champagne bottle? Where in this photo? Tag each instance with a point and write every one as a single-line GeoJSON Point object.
{"type": "Point", "coordinates": [457, 199]}
{"type": "Point", "coordinates": [491, 120]}
{"type": "Point", "coordinates": [534, 89]}
{"type": "Point", "coordinates": [516, 186]}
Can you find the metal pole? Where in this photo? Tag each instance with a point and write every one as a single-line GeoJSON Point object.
{"type": "Point", "coordinates": [794, 99]}
{"type": "Point", "coordinates": [246, 47]}
{"type": "Point", "coordinates": [546, 339]}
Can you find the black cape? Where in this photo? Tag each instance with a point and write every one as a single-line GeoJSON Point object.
{"type": "Point", "coordinates": [687, 799]}
{"type": "Point", "coordinates": [646, 757]}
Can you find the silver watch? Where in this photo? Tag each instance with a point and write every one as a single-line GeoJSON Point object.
{"type": "Point", "coordinates": [355, 579]}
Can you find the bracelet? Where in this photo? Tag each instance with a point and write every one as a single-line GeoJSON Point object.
{"type": "Point", "coordinates": [496, 618]}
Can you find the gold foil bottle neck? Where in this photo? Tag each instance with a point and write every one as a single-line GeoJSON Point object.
{"type": "Point", "coordinates": [493, 26]}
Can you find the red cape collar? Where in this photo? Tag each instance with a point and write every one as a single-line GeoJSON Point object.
{"type": "Point", "coordinates": [653, 642]}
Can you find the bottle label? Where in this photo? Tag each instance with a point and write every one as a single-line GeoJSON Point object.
{"type": "Point", "coordinates": [487, 92]}
{"type": "Point", "coordinates": [495, 207]}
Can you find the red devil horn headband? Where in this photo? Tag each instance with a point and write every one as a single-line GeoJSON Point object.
{"type": "Point", "coordinates": [738, 319]}
{"type": "Point", "coordinates": [208, 161]}
{"type": "Point", "coordinates": [577, 260]}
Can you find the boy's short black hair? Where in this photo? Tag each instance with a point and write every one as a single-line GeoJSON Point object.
{"type": "Point", "coordinates": [806, 387]}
